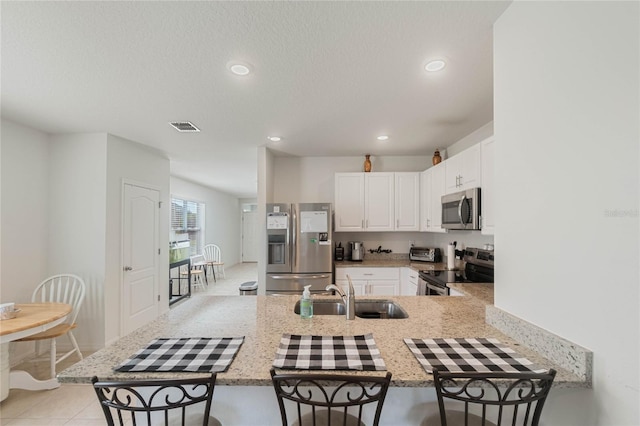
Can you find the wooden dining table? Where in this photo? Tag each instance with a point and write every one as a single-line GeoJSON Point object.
{"type": "Point", "coordinates": [33, 318]}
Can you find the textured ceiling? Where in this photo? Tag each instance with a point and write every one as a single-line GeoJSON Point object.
{"type": "Point", "coordinates": [328, 77]}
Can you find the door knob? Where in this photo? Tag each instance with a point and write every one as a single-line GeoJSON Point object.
{"type": "Point", "coordinates": [128, 268]}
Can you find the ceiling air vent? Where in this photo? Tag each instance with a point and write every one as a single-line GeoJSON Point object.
{"type": "Point", "coordinates": [184, 126]}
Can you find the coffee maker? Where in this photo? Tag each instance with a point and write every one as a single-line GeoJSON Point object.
{"type": "Point", "coordinates": [357, 251]}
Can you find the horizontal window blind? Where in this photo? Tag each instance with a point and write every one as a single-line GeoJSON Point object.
{"type": "Point", "coordinates": [187, 217]}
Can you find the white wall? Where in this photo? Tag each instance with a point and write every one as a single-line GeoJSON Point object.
{"type": "Point", "coordinates": [471, 139]}
{"type": "Point", "coordinates": [310, 179]}
{"type": "Point", "coordinates": [566, 127]}
{"type": "Point", "coordinates": [24, 170]}
{"type": "Point", "coordinates": [133, 163]}
{"type": "Point", "coordinates": [222, 217]}
{"type": "Point", "coordinates": [265, 195]}
{"type": "Point", "coordinates": [77, 232]}
{"type": "Point", "coordinates": [61, 212]}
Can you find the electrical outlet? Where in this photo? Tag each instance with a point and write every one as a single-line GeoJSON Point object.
{"type": "Point", "coordinates": [411, 242]}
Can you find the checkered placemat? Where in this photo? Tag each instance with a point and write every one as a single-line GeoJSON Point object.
{"type": "Point", "coordinates": [202, 355]}
{"type": "Point", "coordinates": [328, 353]}
{"type": "Point", "coordinates": [463, 355]}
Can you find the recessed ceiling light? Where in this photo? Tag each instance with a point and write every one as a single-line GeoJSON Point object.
{"type": "Point", "coordinates": [435, 65]}
{"type": "Point", "coordinates": [274, 138]}
{"type": "Point", "coordinates": [383, 137]}
{"type": "Point", "coordinates": [239, 69]}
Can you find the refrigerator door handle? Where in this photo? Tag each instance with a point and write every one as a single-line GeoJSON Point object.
{"type": "Point", "coordinates": [294, 234]}
{"type": "Point", "coordinates": [297, 277]}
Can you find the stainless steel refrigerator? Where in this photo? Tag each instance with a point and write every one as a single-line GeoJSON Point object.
{"type": "Point", "coordinates": [299, 249]}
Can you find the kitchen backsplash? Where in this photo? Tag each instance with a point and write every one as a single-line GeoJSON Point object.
{"type": "Point", "coordinates": [400, 242]}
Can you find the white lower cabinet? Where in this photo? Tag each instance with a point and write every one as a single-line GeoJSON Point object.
{"type": "Point", "coordinates": [408, 282]}
{"type": "Point", "coordinates": [370, 281]}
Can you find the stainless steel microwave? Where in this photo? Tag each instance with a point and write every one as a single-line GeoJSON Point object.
{"type": "Point", "coordinates": [461, 210]}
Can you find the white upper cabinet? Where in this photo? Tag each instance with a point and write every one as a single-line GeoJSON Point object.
{"type": "Point", "coordinates": [463, 170]}
{"type": "Point", "coordinates": [432, 188]}
{"type": "Point", "coordinates": [364, 202]}
{"type": "Point", "coordinates": [379, 212]}
{"type": "Point", "coordinates": [487, 194]}
{"type": "Point", "coordinates": [407, 205]}
{"type": "Point", "coordinates": [377, 201]}
{"type": "Point", "coordinates": [349, 202]}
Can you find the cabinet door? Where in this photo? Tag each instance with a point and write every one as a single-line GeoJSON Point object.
{"type": "Point", "coordinates": [383, 287]}
{"type": "Point", "coordinates": [379, 200]}
{"type": "Point", "coordinates": [359, 286]}
{"type": "Point", "coordinates": [408, 282]}
{"type": "Point", "coordinates": [452, 173]}
{"type": "Point", "coordinates": [349, 201]}
{"type": "Point", "coordinates": [488, 189]}
{"type": "Point", "coordinates": [470, 168]}
{"type": "Point", "coordinates": [437, 191]}
{"type": "Point", "coordinates": [463, 170]}
{"type": "Point", "coordinates": [425, 200]}
{"type": "Point", "coordinates": [407, 198]}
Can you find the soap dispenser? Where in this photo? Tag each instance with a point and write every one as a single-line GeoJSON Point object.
{"type": "Point", "coordinates": [306, 303]}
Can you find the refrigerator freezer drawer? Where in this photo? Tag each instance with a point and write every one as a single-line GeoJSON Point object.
{"type": "Point", "coordinates": [294, 283]}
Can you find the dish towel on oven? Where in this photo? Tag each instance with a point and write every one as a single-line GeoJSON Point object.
{"type": "Point", "coordinates": [202, 355]}
{"type": "Point", "coordinates": [328, 353]}
{"type": "Point", "coordinates": [463, 355]}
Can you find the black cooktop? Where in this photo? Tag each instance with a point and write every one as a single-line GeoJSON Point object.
{"type": "Point", "coordinates": [471, 274]}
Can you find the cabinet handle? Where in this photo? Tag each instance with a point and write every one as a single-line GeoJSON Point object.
{"type": "Point", "coordinates": [362, 223]}
{"type": "Point", "coordinates": [367, 274]}
{"type": "Point", "coordinates": [397, 223]}
{"type": "Point", "coordinates": [367, 222]}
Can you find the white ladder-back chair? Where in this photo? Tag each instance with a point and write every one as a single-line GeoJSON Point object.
{"type": "Point", "coordinates": [213, 256]}
{"type": "Point", "coordinates": [198, 265]}
{"type": "Point", "coordinates": [62, 288]}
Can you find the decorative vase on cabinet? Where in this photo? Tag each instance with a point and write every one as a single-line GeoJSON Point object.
{"type": "Point", "coordinates": [367, 163]}
{"type": "Point", "coordinates": [436, 157]}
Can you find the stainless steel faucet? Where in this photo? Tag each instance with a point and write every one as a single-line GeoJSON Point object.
{"type": "Point", "coordinates": [348, 299]}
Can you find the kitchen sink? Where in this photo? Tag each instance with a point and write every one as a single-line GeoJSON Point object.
{"type": "Point", "coordinates": [372, 309]}
{"type": "Point", "coordinates": [324, 307]}
{"type": "Point", "coordinates": [382, 309]}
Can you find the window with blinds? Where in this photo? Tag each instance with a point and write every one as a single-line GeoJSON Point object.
{"type": "Point", "coordinates": [187, 217]}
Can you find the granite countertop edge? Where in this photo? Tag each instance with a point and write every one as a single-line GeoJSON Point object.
{"type": "Point", "coordinates": [263, 320]}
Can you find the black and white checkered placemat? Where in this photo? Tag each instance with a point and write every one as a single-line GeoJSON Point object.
{"type": "Point", "coordinates": [464, 355]}
{"type": "Point", "coordinates": [202, 355]}
{"type": "Point", "coordinates": [328, 353]}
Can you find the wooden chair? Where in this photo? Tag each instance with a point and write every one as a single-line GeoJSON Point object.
{"type": "Point", "coordinates": [213, 256]}
{"type": "Point", "coordinates": [157, 402]}
{"type": "Point", "coordinates": [198, 273]}
{"type": "Point", "coordinates": [62, 288]}
{"type": "Point", "coordinates": [491, 398]}
{"type": "Point", "coordinates": [329, 399]}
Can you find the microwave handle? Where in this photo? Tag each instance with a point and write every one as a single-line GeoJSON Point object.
{"type": "Point", "coordinates": [464, 197]}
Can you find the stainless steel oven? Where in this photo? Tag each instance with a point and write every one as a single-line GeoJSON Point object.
{"type": "Point", "coordinates": [479, 266]}
{"type": "Point", "coordinates": [434, 283]}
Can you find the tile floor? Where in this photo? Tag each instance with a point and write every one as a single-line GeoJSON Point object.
{"type": "Point", "coordinates": [77, 405]}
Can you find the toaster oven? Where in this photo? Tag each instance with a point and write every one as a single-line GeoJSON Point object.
{"type": "Point", "coordinates": [425, 254]}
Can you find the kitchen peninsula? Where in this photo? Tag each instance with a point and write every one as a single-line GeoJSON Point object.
{"type": "Point", "coordinates": [263, 319]}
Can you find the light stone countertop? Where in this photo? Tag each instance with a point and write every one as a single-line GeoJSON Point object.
{"type": "Point", "coordinates": [263, 319]}
{"type": "Point", "coordinates": [391, 263]}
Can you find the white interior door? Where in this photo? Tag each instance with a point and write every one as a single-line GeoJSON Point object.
{"type": "Point", "coordinates": [250, 236]}
{"type": "Point", "coordinates": [140, 257]}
